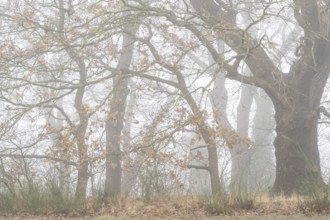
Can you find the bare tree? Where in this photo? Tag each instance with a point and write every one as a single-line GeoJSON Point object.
{"type": "Point", "coordinates": [296, 95]}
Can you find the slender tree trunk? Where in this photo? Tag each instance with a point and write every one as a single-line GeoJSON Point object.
{"type": "Point", "coordinates": [207, 135]}
{"type": "Point", "coordinates": [213, 169]}
{"type": "Point", "coordinates": [81, 110]}
{"type": "Point", "coordinates": [240, 160]}
{"type": "Point", "coordinates": [115, 121]}
{"type": "Point", "coordinates": [114, 126]}
{"type": "Point", "coordinates": [199, 180]}
{"type": "Point", "coordinates": [80, 133]}
{"type": "Point", "coordinates": [83, 177]}
{"type": "Point", "coordinates": [129, 172]}
{"type": "Point", "coordinates": [218, 99]}
{"type": "Point", "coordinates": [56, 124]}
{"type": "Point", "coordinates": [262, 163]}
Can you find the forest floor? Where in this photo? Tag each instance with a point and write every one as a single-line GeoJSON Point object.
{"type": "Point", "coordinates": [189, 208]}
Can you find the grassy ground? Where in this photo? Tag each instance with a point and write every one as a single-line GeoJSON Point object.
{"type": "Point", "coordinates": [228, 218]}
{"type": "Point", "coordinates": [298, 217]}
{"type": "Point", "coordinates": [105, 217]}
{"type": "Point", "coordinates": [192, 208]}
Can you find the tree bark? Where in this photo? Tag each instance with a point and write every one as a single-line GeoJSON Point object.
{"type": "Point", "coordinates": [115, 121]}
{"type": "Point", "coordinates": [240, 160]}
{"type": "Point", "coordinates": [82, 111]}
{"type": "Point", "coordinates": [130, 172]}
{"type": "Point", "coordinates": [80, 133]}
{"type": "Point", "coordinates": [297, 156]}
{"type": "Point", "coordinates": [206, 133]}
{"type": "Point", "coordinates": [262, 162]}
{"type": "Point", "coordinates": [296, 95]}
{"type": "Point", "coordinates": [114, 126]}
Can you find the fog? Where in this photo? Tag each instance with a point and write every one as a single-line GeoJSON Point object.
{"type": "Point", "coordinates": [146, 98]}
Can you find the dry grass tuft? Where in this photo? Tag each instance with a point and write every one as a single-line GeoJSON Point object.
{"type": "Point", "coordinates": [189, 207]}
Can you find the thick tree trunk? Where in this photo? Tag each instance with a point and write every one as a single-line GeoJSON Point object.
{"type": "Point", "coordinates": [297, 112]}
{"type": "Point", "coordinates": [297, 156]}
{"type": "Point", "coordinates": [296, 95]}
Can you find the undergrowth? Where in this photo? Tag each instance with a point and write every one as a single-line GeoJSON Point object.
{"type": "Point", "coordinates": [49, 199]}
{"type": "Point", "coordinates": [36, 199]}
{"type": "Point", "coordinates": [317, 201]}
{"type": "Point", "coordinates": [226, 203]}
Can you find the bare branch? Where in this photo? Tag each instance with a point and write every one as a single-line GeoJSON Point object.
{"type": "Point", "coordinates": [40, 157]}
{"type": "Point", "coordinates": [324, 111]}
{"type": "Point", "coordinates": [198, 167]}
